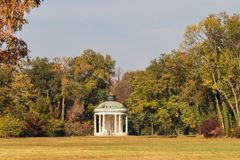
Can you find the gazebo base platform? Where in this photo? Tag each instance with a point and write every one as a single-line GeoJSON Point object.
{"type": "Point", "coordinates": [110, 134]}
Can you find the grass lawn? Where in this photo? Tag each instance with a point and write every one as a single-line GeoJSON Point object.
{"type": "Point", "coordinates": [116, 148]}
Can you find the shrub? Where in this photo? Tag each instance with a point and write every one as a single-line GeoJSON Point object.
{"type": "Point", "coordinates": [33, 125]}
{"type": "Point", "coordinates": [217, 132]}
{"type": "Point", "coordinates": [74, 125]}
{"type": "Point", "coordinates": [76, 113]}
{"type": "Point", "coordinates": [54, 128]}
{"type": "Point", "coordinates": [10, 127]}
{"type": "Point", "coordinates": [206, 127]}
{"type": "Point", "coordinates": [77, 129]}
{"type": "Point", "coordinates": [237, 132]}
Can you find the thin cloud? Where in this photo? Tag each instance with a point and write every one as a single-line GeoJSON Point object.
{"type": "Point", "coordinates": [140, 28]}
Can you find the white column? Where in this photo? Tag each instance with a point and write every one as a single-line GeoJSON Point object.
{"type": "Point", "coordinates": [126, 129]}
{"type": "Point", "coordinates": [95, 124]}
{"type": "Point", "coordinates": [119, 123]}
{"type": "Point", "coordinates": [103, 126]}
{"type": "Point", "coordinates": [115, 123]}
{"type": "Point", "coordinates": [100, 123]}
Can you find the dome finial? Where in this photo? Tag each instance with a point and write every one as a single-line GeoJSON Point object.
{"type": "Point", "coordinates": [111, 97]}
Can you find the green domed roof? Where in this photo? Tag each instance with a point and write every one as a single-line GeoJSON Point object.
{"type": "Point", "coordinates": [110, 103]}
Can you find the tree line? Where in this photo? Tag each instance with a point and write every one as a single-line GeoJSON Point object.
{"type": "Point", "coordinates": [191, 89]}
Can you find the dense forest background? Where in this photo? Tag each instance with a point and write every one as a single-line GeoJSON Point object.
{"type": "Point", "coordinates": [186, 91]}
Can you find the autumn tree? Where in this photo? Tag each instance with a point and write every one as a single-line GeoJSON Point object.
{"type": "Point", "coordinates": [12, 19]}
{"type": "Point", "coordinates": [215, 41]}
{"type": "Point", "coordinates": [121, 87]}
{"type": "Point", "coordinates": [61, 65]}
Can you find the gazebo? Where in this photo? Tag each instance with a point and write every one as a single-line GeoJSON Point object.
{"type": "Point", "coordinates": [110, 118]}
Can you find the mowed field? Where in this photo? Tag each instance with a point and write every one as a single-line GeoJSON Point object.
{"type": "Point", "coordinates": [119, 148]}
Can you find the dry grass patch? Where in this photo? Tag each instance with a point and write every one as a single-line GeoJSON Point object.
{"type": "Point", "coordinates": [119, 148]}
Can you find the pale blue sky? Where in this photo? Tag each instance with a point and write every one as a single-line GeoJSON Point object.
{"type": "Point", "coordinates": [133, 32]}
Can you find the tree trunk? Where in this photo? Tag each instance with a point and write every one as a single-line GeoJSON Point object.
{"type": "Point", "coordinates": [152, 129]}
{"type": "Point", "coordinates": [226, 119]}
{"type": "Point", "coordinates": [63, 109]}
{"type": "Point", "coordinates": [219, 113]}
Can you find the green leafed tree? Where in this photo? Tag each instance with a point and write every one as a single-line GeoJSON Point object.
{"type": "Point", "coordinates": [5, 83]}
{"type": "Point", "coordinates": [89, 77]}
{"type": "Point", "coordinates": [159, 96]}
{"type": "Point", "coordinates": [22, 94]}
{"type": "Point", "coordinates": [10, 126]}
